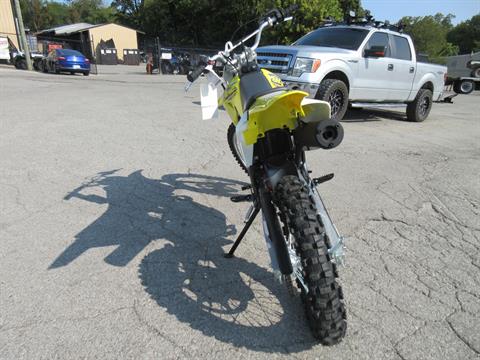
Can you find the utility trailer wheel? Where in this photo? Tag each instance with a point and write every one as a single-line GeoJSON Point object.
{"type": "Point", "coordinates": [464, 87]}
{"type": "Point", "coordinates": [476, 72]}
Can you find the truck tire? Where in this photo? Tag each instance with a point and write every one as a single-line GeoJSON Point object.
{"type": "Point", "coordinates": [418, 109]}
{"type": "Point", "coordinates": [335, 92]}
{"type": "Point", "coordinates": [464, 87]}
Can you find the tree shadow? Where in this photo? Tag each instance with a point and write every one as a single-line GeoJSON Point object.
{"type": "Point", "coordinates": [233, 300]}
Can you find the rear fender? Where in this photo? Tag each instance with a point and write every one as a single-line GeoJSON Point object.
{"type": "Point", "coordinates": [315, 110]}
{"type": "Point", "coordinates": [278, 110]}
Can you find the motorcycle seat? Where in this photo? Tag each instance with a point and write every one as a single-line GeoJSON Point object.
{"type": "Point", "coordinates": [253, 85]}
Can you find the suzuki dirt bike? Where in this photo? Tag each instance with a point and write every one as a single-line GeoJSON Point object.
{"type": "Point", "coordinates": [271, 129]}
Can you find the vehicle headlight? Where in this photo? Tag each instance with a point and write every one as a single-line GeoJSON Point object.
{"type": "Point", "coordinates": [305, 65]}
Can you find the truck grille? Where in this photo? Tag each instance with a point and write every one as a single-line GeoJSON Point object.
{"type": "Point", "coordinates": [274, 62]}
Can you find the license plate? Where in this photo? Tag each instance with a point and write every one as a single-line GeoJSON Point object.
{"type": "Point", "coordinates": [76, 66]}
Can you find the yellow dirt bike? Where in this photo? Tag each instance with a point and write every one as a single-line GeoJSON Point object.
{"type": "Point", "coordinates": [271, 129]}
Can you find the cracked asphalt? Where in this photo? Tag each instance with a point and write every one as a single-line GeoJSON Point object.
{"type": "Point", "coordinates": [115, 213]}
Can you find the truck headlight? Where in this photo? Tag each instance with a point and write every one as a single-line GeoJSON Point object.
{"type": "Point", "coordinates": [305, 65]}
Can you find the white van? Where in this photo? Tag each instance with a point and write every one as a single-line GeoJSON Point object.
{"type": "Point", "coordinates": [4, 49]}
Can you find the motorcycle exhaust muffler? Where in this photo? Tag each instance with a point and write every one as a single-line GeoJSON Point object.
{"type": "Point", "coordinates": [325, 134]}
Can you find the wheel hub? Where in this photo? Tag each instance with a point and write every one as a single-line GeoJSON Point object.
{"type": "Point", "coordinates": [336, 100]}
{"type": "Point", "coordinates": [424, 105]}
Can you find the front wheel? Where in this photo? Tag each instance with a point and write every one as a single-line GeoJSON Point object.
{"type": "Point", "coordinates": [322, 295]}
{"type": "Point", "coordinates": [335, 92]}
{"type": "Point", "coordinates": [235, 147]}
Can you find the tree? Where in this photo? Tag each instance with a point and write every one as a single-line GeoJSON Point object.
{"type": "Point", "coordinates": [429, 34]}
{"type": "Point", "coordinates": [466, 35]}
{"type": "Point", "coordinates": [212, 22]}
{"type": "Point", "coordinates": [129, 12]}
{"type": "Point", "coordinates": [307, 18]}
{"type": "Point", "coordinates": [90, 11]}
{"type": "Point", "coordinates": [352, 5]}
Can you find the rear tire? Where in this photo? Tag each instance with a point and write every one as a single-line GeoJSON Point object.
{"type": "Point", "coordinates": [232, 143]}
{"type": "Point", "coordinates": [86, 73]}
{"type": "Point", "coordinates": [324, 305]}
{"type": "Point", "coordinates": [335, 92]}
{"type": "Point", "coordinates": [419, 109]}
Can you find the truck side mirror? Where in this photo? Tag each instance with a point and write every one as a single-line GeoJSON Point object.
{"type": "Point", "coordinates": [375, 52]}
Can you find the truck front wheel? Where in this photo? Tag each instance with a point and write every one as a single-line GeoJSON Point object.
{"type": "Point", "coordinates": [335, 92]}
{"type": "Point", "coordinates": [419, 108]}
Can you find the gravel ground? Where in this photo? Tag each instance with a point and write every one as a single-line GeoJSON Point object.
{"type": "Point", "coordinates": [114, 215]}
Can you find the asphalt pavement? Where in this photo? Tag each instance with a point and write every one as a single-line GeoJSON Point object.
{"type": "Point", "coordinates": [115, 213]}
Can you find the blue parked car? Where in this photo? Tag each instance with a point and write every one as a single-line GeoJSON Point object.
{"type": "Point", "coordinates": [66, 60]}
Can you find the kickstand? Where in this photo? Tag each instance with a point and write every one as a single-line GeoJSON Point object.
{"type": "Point", "coordinates": [242, 234]}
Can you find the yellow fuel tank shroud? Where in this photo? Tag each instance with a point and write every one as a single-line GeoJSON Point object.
{"type": "Point", "coordinates": [278, 110]}
{"type": "Point", "coordinates": [237, 92]}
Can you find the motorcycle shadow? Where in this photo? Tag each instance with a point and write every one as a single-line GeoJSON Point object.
{"type": "Point", "coordinates": [232, 300]}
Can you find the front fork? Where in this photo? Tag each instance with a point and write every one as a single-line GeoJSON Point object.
{"type": "Point", "coordinates": [337, 241]}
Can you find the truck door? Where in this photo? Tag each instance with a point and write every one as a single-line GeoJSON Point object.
{"type": "Point", "coordinates": [404, 68]}
{"type": "Point", "coordinates": [374, 76]}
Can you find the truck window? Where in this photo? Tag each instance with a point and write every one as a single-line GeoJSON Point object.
{"type": "Point", "coordinates": [344, 38]}
{"type": "Point", "coordinates": [379, 39]}
{"type": "Point", "coordinates": [402, 48]}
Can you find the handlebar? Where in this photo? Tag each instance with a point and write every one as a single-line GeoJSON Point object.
{"type": "Point", "coordinates": [270, 19]}
{"type": "Point", "coordinates": [193, 75]}
{"type": "Point", "coordinates": [279, 15]}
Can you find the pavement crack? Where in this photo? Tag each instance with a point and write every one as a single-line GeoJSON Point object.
{"type": "Point", "coordinates": [156, 331]}
{"type": "Point", "coordinates": [460, 337]}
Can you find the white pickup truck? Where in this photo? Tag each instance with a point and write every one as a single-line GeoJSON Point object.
{"type": "Point", "coordinates": [358, 65]}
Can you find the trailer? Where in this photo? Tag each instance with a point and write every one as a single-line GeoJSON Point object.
{"type": "Point", "coordinates": [463, 72]}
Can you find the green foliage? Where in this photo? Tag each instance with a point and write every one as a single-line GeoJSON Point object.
{"type": "Point", "coordinates": [129, 12]}
{"type": "Point", "coordinates": [429, 34]}
{"type": "Point", "coordinates": [466, 35]}
{"type": "Point", "coordinates": [42, 14]}
{"type": "Point", "coordinates": [212, 22]}
{"type": "Point", "coordinates": [209, 23]}
{"type": "Point", "coordinates": [308, 17]}
{"type": "Point", "coordinates": [90, 11]}
{"type": "Point", "coordinates": [352, 5]}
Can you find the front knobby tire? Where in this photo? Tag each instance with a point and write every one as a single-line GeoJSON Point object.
{"type": "Point", "coordinates": [232, 143]}
{"type": "Point", "coordinates": [324, 306]}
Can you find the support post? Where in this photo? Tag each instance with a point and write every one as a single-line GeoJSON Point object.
{"type": "Point", "coordinates": [23, 39]}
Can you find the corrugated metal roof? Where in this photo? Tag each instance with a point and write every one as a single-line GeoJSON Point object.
{"type": "Point", "coordinates": [78, 27]}
{"type": "Point", "coordinates": [68, 29]}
